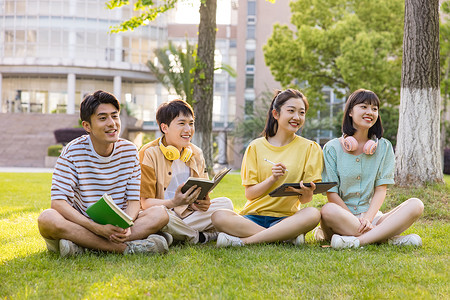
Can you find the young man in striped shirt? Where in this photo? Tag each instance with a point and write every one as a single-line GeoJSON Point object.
{"type": "Point", "coordinates": [97, 163]}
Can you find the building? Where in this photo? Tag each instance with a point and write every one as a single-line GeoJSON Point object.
{"type": "Point", "coordinates": [54, 52]}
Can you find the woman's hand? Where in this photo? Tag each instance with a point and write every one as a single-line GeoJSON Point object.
{"type": "Point", "coordinates": [278, 170]}
{"type": "Point", "coordinates": [305, 193]}
{"type": "Point", "coordinates": [365, 226]}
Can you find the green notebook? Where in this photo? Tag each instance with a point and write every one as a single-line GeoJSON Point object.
{"type": "Point", "coordinates": [105, 211]}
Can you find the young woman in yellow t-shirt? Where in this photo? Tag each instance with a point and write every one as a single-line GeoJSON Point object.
{"type": "Point", "coordinates": [279, 156]}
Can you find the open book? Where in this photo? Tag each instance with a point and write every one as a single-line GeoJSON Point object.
{"type": "Point", "coordinates": [105, 211]}
{"type": "Point", "coordinates": [284, 190]}
{"type": "Point", "coordinates": [207, 185]}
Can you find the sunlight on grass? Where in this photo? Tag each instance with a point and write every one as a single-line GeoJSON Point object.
{"type": "Point", "coordinates": [204, 271]}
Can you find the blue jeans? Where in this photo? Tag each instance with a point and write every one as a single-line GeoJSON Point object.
{"type": "Point", "coordinates": [264, 221]}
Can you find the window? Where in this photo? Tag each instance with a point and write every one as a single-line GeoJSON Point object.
{"type": "Point", "coordinates": [250, 69]}
{"type": "Point", "coordinates": [21, 7]}
{"type": "Point", "coordinates": [326, 111]}
{"type": "Point", "coordinates": [250, 31]}
{"type": "Point", "coordinates": [232, 86]}
{"type": "Point", "coordinates": [10, 7]}
{"type": "Point", "coordinates": [248, 107]}
{"type": "Point", "coordinates": [20, 36]}
{"type": "Point", "coordinates": [219, 86]}
{"type": "Point", "coordinates": [249, 81]}
{"type": "Point", "coordinates": [109, 54]}
{"type": "Point", "coordinates": [250, 58]}
{"type": "Point", "coordinates": [9, 36]}
{"type": "Point", "coordinates": [251, 8]}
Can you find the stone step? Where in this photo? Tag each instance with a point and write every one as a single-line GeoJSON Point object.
{"type": "Point", "coordinates": [24, 138]}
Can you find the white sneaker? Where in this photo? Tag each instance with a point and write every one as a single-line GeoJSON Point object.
{"type": "Point", "coordinates": [154, 243]}
{"type": "Point", "coordinates": [210, 236]}
{"type": "Point", "coordinates": [52, 245]}
{"type": "Point", "coordinates": [226, 240]}
{"type": "Point", "coordinates": [298, 241]}
{"type": "Point", "coordinates": [167, 236]}
{"type": "Point", "coordinates": [406, 240]}
{"type": "Point", "coordinates": [342, 242]}
{"type": "Point", "coordinates": [69, 248]}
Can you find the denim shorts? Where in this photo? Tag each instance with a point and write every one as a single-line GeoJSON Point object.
{"type": "Point", "coordinates": [264, 221]}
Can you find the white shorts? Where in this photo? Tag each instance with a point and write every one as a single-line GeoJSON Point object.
{"type": "Point", "coordinates": [375, 219]}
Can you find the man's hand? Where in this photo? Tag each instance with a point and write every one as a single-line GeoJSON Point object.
{"type": "Point", "coordinates": [107, 231]}
{"type": "Point", "coordinates": [120, 237]}
{"type": "Point", "coordinates": [185, 198]}
{"type": "Point", "coordinates": [202, 205]}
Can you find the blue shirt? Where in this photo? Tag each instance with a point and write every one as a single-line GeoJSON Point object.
{"type": "Point", "coordinates": [358, 175]}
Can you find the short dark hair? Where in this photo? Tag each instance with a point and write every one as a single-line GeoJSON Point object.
{"type": "Point", "coordinates": [169, 110]}
{"type": "Point", "coordinates": [92, 101]}
{"type": "Point", "coordinates": [278, 101]}
{"type": "Point", "coordinates": [358, 97]}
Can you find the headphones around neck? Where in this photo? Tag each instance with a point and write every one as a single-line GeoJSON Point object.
{"type": "Point", "coordinates": [172, 153]}
{"type": "Point", "coordinates": [351, 144]}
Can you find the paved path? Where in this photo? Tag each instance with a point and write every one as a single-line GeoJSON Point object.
{"type": "Point", "coordinates": [24, 170]}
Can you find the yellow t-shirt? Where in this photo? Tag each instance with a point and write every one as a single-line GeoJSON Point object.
{"type": "Point", "coordinates": [303, 159]}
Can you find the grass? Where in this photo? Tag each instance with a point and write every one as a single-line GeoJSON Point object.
{"type": "Point", "coordinates": [203, 271]}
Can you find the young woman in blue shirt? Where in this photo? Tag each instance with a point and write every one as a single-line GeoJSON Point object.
{"type": "Point", "coordinates": [363, 163]}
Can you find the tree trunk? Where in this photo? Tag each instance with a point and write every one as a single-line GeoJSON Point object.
{"type": "Point", "coordinates": [444, 114]}
{"type": "Point", "coordinates": [418, 152]}
{"type": "Point", "coordinates": [204, 79]}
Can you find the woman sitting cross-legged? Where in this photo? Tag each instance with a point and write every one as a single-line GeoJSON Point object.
{"type": "Point", "coordinates": [362, 162]}
{"type": "Point", "coordinates": [280, 156]}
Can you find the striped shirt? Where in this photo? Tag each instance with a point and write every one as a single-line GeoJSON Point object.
{"type": "Point", "coordinates": [81, 176]}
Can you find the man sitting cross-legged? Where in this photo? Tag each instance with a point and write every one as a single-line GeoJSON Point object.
{"type": "Point", "coordinates": [88, 167]}
{"type": "Point", "coordinates": [167, 163]}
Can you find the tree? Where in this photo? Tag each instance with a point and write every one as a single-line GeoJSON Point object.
{"type": "Point", "coordinates": [418, 153]}
{"type": "Point", "coordinates": [444, 33]}
{"type": "Point", "coordinates": [204, 78]}
{"type": "Point", "coordinates": [174, 69]}
{"type": "Point", "coordinates": [204, 69]}
{"type": "Point", "coordinates": [341, 44]}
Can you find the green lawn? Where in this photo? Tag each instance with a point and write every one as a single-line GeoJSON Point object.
{"type": "Point", "coordinates": [203, 271]}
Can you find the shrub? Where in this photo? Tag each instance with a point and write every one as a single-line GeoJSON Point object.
{"type": "Point", "coordinates": [65, 135]}
{"type": "Point", "coordinates": [54, 150]}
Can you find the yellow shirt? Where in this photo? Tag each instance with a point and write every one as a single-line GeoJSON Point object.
{"type": "Point", "coordinates": [303, 159]}
{"type": "Point", "coordinates": [156, 172]}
